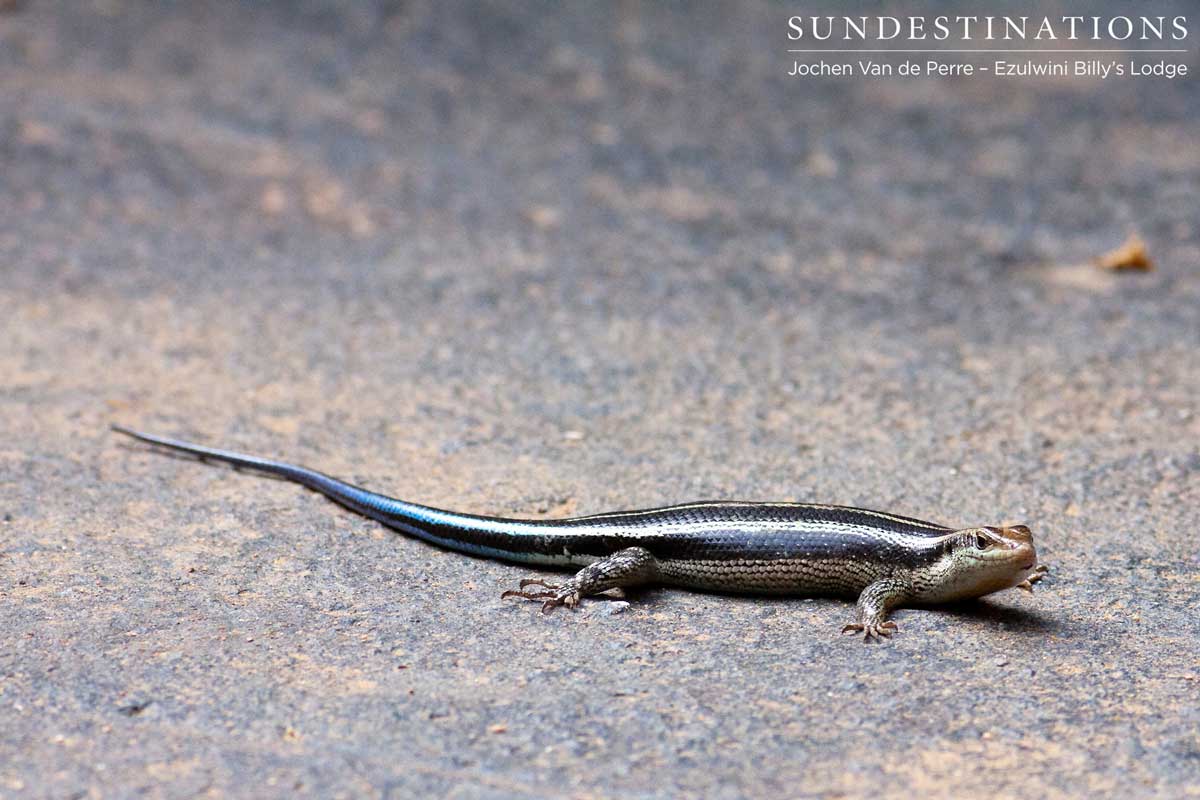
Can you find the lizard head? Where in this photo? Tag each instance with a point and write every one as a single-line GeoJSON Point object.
{"type": "Point", "coordinates": [983, 560]}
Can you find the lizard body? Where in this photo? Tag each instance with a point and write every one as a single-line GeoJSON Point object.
{"type": "Point", "coordinates": [883, 560]}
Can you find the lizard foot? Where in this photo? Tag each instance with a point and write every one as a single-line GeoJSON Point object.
{"type": "Point", "coordinates": [632, 566]}
{"type": "Point", "coordinates": [554, 595]}
{"type": "Point", "coordinates": [552, 587]}
{"type": "Point", "coordinates": [878, 630]}
{"type": "Point", "coordinates": [1039, 572]}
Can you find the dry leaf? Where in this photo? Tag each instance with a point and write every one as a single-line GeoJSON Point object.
{"type": "Point", "coordinates": [1130, 255]}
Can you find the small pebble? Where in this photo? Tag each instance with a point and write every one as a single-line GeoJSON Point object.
{"type": "Point", "coordinates": [612, 608]}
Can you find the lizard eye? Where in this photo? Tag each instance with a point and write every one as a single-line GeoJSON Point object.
{"type": "Point", "coordinates": [982, 542]}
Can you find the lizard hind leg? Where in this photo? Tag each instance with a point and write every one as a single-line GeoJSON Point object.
{"type": "Point", "coordinates": [632, 566]}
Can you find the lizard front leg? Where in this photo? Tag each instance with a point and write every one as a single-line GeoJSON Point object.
{"type": "Point", "coordinates": [632, 566]}
{"type": "Point", "coordinates": [873, 606]}
{"type": "Point", "coordinates": [1039, 572]}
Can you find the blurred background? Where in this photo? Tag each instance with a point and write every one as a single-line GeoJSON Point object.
{"type": "Point", "coordinates": [532, 259]}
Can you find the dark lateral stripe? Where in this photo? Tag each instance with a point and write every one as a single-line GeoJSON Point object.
{"type": "Point", "coordinates": [755, 513]}
{"type": "Point", "coordinates": [710, 530]}
{"type": "Point", "coordinates": [806, 545]}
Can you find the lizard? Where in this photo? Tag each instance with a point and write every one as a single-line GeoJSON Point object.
{"type": "Point", "coordinates": [881, 560]}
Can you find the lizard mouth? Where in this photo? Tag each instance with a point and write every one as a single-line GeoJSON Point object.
{"type": "Point", "coordinates": [1028, 566]}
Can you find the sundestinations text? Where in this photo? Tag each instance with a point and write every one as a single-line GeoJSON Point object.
{"type": "Point", "coordinates": [987, 28]}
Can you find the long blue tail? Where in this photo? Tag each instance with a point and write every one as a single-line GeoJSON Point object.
{"type": "Point", "coordinates": [526, 541]}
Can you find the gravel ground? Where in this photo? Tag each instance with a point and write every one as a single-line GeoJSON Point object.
{"type": "Point", "coordinates": [519, 259]}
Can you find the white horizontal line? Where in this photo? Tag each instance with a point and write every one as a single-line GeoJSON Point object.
{"type": "Point", "coordinates": [1060, 52]}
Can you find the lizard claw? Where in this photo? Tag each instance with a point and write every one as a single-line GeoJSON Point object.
{"type": "Point", "coordinates": [554, 594]}
{"type": "Point", "coordinates": [1039, 572]}
{"type": "Point", "coordinates": [538, 582]}
{"type": "Point", "coordinates": [551, 588]}
{"type": "Point", "coordinates": [877, 630]}
{"type": "Point", "coordinates": [563, 597]}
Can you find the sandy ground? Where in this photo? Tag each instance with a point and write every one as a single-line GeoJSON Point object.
{"type": "Point", "coordinates": [529, 261]}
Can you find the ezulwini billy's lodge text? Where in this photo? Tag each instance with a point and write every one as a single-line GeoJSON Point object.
{"type": "Point", "coordinates": [1020, 68]}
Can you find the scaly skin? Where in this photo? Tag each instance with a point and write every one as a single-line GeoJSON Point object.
{"type": "Point", "coordinates": [881, 559]}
